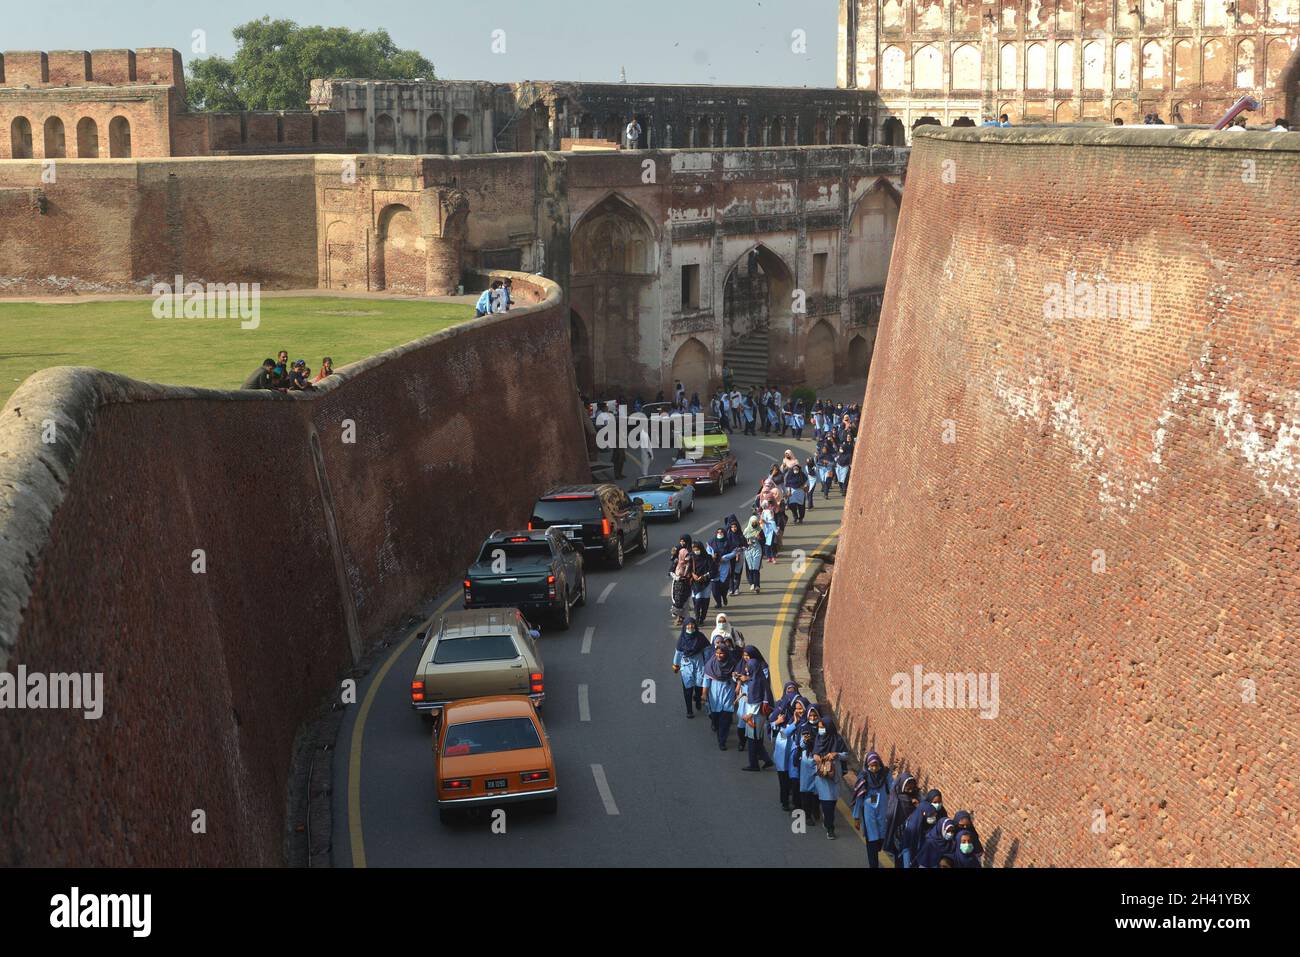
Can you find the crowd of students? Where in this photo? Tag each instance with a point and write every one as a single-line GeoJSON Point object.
{"type": "Point", "coordinates": [281, 375]}
{"type": "Point", "coordinates": [728, 679]}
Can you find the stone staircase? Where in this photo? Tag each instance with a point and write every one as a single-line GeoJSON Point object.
{"type": "Point", "coordinates": [747, 359]}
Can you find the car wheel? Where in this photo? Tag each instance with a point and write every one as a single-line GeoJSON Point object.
{"type": "Point", "coordinates": [644, 547]}
{"type": "Point", "coordinates": [550, 805]}
{"type": "Point", "coordinates": [566, 615]}
{"type": "Point", "coordinates": [679, 512]}
{"type": "Point", "coordinates": [617, 559]}
{"type": "Point", "coordinates": [582, 591]}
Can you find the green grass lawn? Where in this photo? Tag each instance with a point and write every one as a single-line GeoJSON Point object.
{"type": "Point", "coordinates": [124, 337]}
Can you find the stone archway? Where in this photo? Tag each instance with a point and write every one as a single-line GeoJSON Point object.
{"type": "Point", "coordinates": [119, 137]}
{"type": "Point", "coordinates": [819, 356]}
{"type": "Point", "coordinates": [401, 252]}
{"type": "Point", "coordinates": [859, 357]}
{"type": "Point", "coordinates": [892, 133]}
{"type": "Point", "coordinates": [613, 262]}
{"type": "Point", "coordinates": [345, 265]}
{"type": "Point", "coordinates": [758, 286]}
{"type": "Point", "coordinates": [580, 349]}
{"type": "Point", "coordinates": [692, 367]}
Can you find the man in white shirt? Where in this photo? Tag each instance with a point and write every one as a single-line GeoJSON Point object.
{"type": "Point", "coordinates": [1282, 126]}
{"type": "Point", "coordinates": [1238, 126]}
{"type": "Point", "coordinates": [632, 134]}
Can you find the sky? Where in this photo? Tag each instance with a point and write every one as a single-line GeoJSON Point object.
{"type": "Point", "coordinates": [746, 42]}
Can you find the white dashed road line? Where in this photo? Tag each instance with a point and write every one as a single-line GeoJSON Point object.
{"type": "Point", "coordinates": [586, 639]}
{"type": "Point", "coordinates": [602, 785]}
{"type": "Point", "coordinates": [652, 556]}
{"type": "Point", "coordinates": [584, 705]}
{"type": "Point", "coordinates": [770, 458]}
{"type": "Point", "coordinates": [604, 595]}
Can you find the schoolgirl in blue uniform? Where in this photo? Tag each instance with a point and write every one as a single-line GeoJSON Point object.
{"type": "Point", "coordinates": [720, 689]}
{"type": "Point", "coordinates": [828, 750]}
{"type": "Point", "coordinates": [754, 706]}
{"type": "Point", "coordinates": [871, 796]}
{"type": "Point", "coordinates": [783, 720]}
{"type": "Point", "coordinates": [688, 662]}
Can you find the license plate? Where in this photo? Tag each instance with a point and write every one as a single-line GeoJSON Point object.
{"type": "Point", "coordinates": [495, 784]}
{"type": "Point", "coordinates": [647, 507]}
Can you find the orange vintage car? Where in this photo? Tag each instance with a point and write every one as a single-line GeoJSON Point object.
{"type": "Point", "coordinates": [490, 752]}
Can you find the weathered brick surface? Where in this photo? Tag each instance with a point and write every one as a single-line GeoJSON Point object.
{"type": "Point", "coordinates": [208, 676]}
{"type": "Point", "coordinates": [1161, 690]}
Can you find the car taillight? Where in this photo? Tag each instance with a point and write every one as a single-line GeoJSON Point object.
{"type": "Point", "coordinates": [532, 777]}
{"type": "Point", "coordinates": [550, 586]}
{"type": "Point", "coordinates": [530, 526]}
{"type": "Point", "coordinates": [604, 527]}
{"type": "Point", "coordinates": [417, 690]}
{"type": "Point", "coordinates": [455, 784]}
{"type": "Point", "coordinates": [535, 681]}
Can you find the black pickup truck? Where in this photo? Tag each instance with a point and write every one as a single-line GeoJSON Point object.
{"type": "Point", "coordinates": [534, 571]}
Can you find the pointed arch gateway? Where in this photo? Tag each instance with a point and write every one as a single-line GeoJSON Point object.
{"type": "Point", "coordinates": [692, 367]}
{"type": "Point", "coordinates": [613, 264]}
{"type": "Point", "coordinates": [757, 288]}
{"type": "Point", "coordinates": [819, 356]}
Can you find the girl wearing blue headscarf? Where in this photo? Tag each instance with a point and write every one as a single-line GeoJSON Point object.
{"type": "Point", "coordinates": [843, 464]}
{"type": "Point", "coordinates": [828, 751]}
{"type": "Point", "coordinates": [720, 689]}
{"type": "Point", "coordinates": [965, 822]}
{"type": "Point", "coordinates": [807, 767]}
{"type": "Point", "coordinates": [688, 661]}
{"type": "Point", "coordinates": [754, 706]}
{"type": "Point", "coordinates": [941, 841]}
{"type": "Point", "coordinates": [785, 717]}
{"type": "Point", "coordinates": [918, 827]}
{"type": "Point", "coordinates": [966, 855]}
{"type": "Point", "coordinates": [902, 802]}
{"type": "Point", "coordinates": [871, 796]}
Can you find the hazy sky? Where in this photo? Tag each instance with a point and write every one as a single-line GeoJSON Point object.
{"type": "Point", "coordinates": [668, 41]}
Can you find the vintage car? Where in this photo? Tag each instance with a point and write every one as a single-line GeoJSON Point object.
{"type": "Point", "coordinates": [477, 652]}
{"type": "Point", "coordinates": [708, 472]}
{"type": "Point", "coordinates": [492, 751]}
{"type": "Point", "coordinates": [662, 499]}
{"type": "Point", "coordinates": [711, 442]}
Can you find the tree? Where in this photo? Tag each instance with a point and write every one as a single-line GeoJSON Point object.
{"type": "Point", "coordinates": [277, 60]}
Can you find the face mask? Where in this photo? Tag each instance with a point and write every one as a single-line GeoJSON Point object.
{"type": "Point", "coordinates": [938, 805]}
{"type": "Point", "coordinates": [967, 848]}
{"type": "Point", "coordinates": [931, 819]}
{"type": "Point", "coordinates": [821, 731]}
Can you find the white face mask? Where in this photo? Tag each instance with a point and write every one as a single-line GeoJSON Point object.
{"type": "Point", "coordinates": [821, 731]}
{"type": "Point", "coordinates": [931, 819]}
{"type": "Point", "coordinates": [967, 848]}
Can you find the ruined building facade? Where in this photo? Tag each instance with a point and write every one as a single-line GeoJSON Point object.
{"type": "Point", "coordinates": [115, 104]}
{"type": "Point", "coordinates": [1064, 61]}
{"type": "Point", "coordinates": [461, 117]}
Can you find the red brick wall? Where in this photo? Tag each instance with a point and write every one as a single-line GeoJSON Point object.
{"type": "Point", "coordinates": [208, 677]}
{"type": "Point", "coordinates": [1113, 527]}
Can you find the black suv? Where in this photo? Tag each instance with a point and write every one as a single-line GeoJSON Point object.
{"type": "Point", "coordinates": [599, 518]}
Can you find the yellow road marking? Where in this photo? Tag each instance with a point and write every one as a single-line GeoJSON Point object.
{"type": "Point", "coordinates": [358, 735]}
{"type": "Point", "coordinates": [774, 646]}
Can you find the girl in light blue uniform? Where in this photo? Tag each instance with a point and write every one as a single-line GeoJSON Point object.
{"type": "Point", "coordinates": [688, 661]}
{"type": "Point", "coordinates": [720, 689]}
{"type": "Point", "coordinates": [753, 707]}
{"type": "Point", "coordinates": [871, 804]}
{"type": "Point", "coordinates": [806, 767]}
{"type": "Point", "coordinates": [828, 746]}
{"type": "Point", "coordinates": [786, 716]}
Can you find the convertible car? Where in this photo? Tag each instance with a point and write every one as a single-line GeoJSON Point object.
{"type": "Point", "coordinates": [714, 473]}
{"type": "Point", "coordinates": [662, 498]}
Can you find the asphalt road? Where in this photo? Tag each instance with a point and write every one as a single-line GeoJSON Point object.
{"type": "Point", "coordinates": [670, 797]}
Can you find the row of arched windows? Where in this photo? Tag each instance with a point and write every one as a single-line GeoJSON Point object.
{"type": "Point", "coordinates": [435, 129]}
{"type": "Point", "coordinates": [1215, 62]}
{"type": "Point", "coordinates": [1068, 15]}
{"type": "Point", "coordinates": [55, 144]}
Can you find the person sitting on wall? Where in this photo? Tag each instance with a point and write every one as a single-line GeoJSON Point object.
{"type": "Point", "coordinates": [988, 121]}
{"type": "Point", "coordinates": [261, 379]}
{"type": "Point", "coordinates": [1004, 120]}
{"type": "Point", "coordinates": [506, 284]}
{"type": "Point", "coordinates": [1238, 125]}
{"type": "Point", "coordinates": [489, 300]}
{"type": "Point", "coordinates": [300, 377]}
{"type": "Point", "coordinates": [1281, 126]}
{"type": "Point", "coordinates": [280, 379]}
{"type": "Point", "coordinates": [326, 369]}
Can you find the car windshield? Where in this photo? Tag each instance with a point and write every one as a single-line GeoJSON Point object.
{"type": "Point", "coordinates": [489, 737]}
{"type": "Point", "coordinates": [513, 550]}
{"type": "Point", "coordinates": [566, 511]}
{"type": "Point", "coordinates": [455, 651]}
{"type": "Point", "coordinates": [650, 483]}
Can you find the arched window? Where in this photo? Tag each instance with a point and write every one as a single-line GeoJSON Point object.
{"type": "Point", "coordinates": [20, 138]}
{"type": "Point", "coordinates": [56, 146]}
{"type": "Point", "coordinates": [460, 127]}
{"type": "Point", "coordinates": [119, 137]}
{"type": "Point", "coordinates": [87, 138]}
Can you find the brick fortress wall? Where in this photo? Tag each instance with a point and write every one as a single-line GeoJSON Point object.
{"type": "Point", "coordinates": [312, 547]}
{"type": "Point", "coordinates": [1100, 508]}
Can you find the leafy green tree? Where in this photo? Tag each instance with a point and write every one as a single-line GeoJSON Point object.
{"type": "Point", "coordinates": [277, 60]}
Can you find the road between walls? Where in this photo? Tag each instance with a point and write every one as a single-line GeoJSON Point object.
{"type": "Point", "coordinates": [640, 784]}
